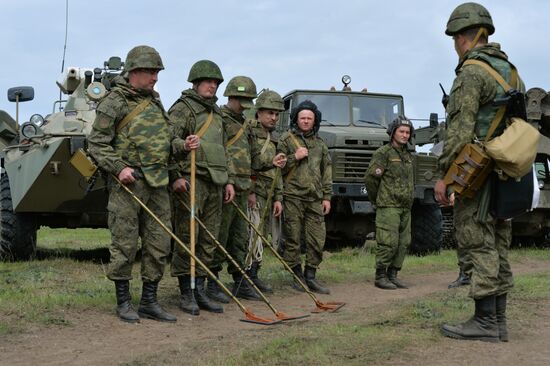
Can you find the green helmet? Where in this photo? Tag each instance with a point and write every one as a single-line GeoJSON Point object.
{"type": "Point", "coordinates": [399, 121]}
{"type": "Point", "coordinates": [143, 57]}
{"type": "Point", "coordinates": [269, 99]}
{"type": "Point", "coordinates": [240, 86]}
{"type": "Point", "coordinates": [469, 15]}
{"type": "Point", "coordinates": [205, 69]}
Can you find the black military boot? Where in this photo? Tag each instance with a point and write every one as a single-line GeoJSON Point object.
{"type": "Point", "coordinates": [253, 274]}
{"type": "Point", "coordinates": [381, 280]}
{"type": "Point", "coordinates": [203, 301]}
{"type": "Point", "coordinates": [214, 291]}
{"type": "Point", "coordinates": [297, 269]}
{"type": "Point", "coordinates": [501, 317]}
{"type": "Point", "coordinates": [481, 327]}
{"type": "Point", "coordinates": [312, 283]}
{"type": "Point", "coordinates": [124, 308]}
{"type": "Point", "coordinates": [149, 306]}
{"type": "Point", "coordinates": [242, 289]}
{"type": "Point", "coordinates": [462, 280]}
{"type": "Point", "coordinates": [392, 276]}
{"type": "Point", "coordinates": [187, 299]}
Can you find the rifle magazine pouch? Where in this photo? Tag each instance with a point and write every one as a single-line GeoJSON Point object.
{"type": "Point", "coordinates": [513, 197]}
{"type": "Point", "coordinates": [469, 171]}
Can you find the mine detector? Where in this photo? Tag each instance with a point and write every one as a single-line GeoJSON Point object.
{"type": "Point", "coordinates": [47, 180]}
{"type": "Point", "coordinates": [354, 125]}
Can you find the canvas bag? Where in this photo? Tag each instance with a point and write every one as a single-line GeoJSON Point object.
{"type": "Point", "coordinates": [514, 151]}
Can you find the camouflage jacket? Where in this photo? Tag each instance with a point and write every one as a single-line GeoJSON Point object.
{"type": "Point", "coordinates": [189, 113]}
{"type": "Point", "coordinates": [390, 178]}
{"type": "Point", "coordinates": [263, 148]}
{"type": "Point", "coordinates": [309, 179]}
{"type": "Point", "coordinates": [143, 143]}
{"type": "Point", "coordinates": [238, 148]}
{"type": "Point", "coordinates": [470, 109]}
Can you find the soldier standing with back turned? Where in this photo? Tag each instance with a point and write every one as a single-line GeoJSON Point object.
{"type": "Point", "coordinates": [130, 139]}
{"type": "Point", "coordinates": [470, 111]}
{"type": "Point", "coordinates": [390, 184]}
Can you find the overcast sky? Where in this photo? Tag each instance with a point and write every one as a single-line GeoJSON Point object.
{"type": "Point", "coordinates": [395, 46]}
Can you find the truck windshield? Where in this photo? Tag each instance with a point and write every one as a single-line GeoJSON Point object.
{"type": "Point", "coordinates": [361, 110]}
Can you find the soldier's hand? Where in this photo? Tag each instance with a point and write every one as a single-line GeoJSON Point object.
{"type": "Point", "coordinates": [229, 193]}
{"type": "Point", "coordinates": [180, 185]}
{"type": "Point", "coordinates": [277, 208]}
{"type": "Point", "coordinates": [252, 200]}
{"type": "Point", "coordinates": [301, 153]}
{"type": "Point", "coordinates": [279, 160]}
{"type": "Point", "coordinates": [192, 142]}
{"type": "Point", "coordinates": [126, 175]}
{"type": "Point", "coordinates": [440, 192]}
{"type": "Point", "coordinates": [326, 207]}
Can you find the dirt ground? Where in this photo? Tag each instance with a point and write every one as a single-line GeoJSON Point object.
{"type": "Point", "coordinates": [100, 339]}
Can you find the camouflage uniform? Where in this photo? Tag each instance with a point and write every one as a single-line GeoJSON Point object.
{"type": "Point", "coordinates": [390, 184]}
{"type": "Point", "coordinates": [233, 232]}
{"type": "Point", "coordinates": [307, 183]}
{"type": "Point", "coordinates": [144, 145]}
{"type": "Point", "coordinates": [470, 111]}
{"type": "Point", "coordinates": [213, 171]}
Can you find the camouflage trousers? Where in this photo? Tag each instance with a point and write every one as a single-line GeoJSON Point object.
{"type": "Point", "coordinates": [208, 207]}
{"type": "Point", "coordinates": [128, 222]}
{"type": "Point", "coordinates": [486, 245]}
{"type": "Point", "coordinates": [303, 217]}
{"type": "Point", "coordinates": [233, 235]}
{"type": "Point", "coordinates": [269, 228]}
{"type": "Point", "coordinates": [393, 236]}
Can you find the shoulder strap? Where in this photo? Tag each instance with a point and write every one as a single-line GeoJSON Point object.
{"type": "Point", "coordinates": [295, 140]}
{"type": "Point", "coordinates": [130, 116]}
{"type": "Point", "coordinates": [293, 169]}
{"type": "Point", "coordinates": [499, 117]}
{"type": "Point", "coordinates": [266, 143]}
{"type": "Point", "coordinates": [238, 135]}
{"type": "Point", "coordinates": [205, 126]}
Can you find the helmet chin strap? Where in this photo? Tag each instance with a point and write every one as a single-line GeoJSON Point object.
{"type": "Point", "coordinates": [480, 32]}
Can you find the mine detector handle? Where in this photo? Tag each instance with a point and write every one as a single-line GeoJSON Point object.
{"type": "Point", "coordinates": [20, 94]}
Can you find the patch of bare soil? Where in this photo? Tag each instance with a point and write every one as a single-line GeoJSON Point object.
{"type": "Point", "coordinates": [98, 338]}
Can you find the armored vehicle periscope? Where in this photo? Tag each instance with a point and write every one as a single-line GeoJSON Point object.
{"type": "Point", "coordinates": [353, 127]}
{"type": "Point", "coordinates": [46, 177]}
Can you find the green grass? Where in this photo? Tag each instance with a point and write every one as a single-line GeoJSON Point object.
{"type": "Point", "coordinates": [83, 239]}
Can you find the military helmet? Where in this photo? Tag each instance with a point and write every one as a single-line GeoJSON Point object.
{"type": "Point", "coordinates": [306, 105]}
{"type": "Point", "coordinates": [469, 15]}
{"type": "Point", "coordinates": [143, 57]}
{"type": "Point", "coordinates": [399, 121]}
{"type": "Point", "coordinates": [269, 99]}
{"type": "Point", "coordinates": [240, 86]}
{"type": "Point", "coordinates": [205, 69]}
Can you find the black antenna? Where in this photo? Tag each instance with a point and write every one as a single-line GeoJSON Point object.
{"type": "Point", "coordinates": [65, 44]}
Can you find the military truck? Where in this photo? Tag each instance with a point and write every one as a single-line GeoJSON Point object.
{"type": "Point", "coordinates": [46, 178]}
{"type": "Point", "coordinates": [354, 126]}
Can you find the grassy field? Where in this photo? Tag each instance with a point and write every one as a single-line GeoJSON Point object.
{"type": "Point", "coordinates": [40, 293]}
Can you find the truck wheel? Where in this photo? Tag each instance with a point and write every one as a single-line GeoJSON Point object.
{"type": "Point", "coordinates": [426, 229]}
{"type": "Point", "coordinates": [17, 231]}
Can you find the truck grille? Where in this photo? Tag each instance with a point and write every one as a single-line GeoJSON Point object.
{"type": "Point", "coordinates": [350, 166]}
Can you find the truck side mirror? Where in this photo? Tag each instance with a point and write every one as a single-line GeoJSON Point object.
{"type": "Point", "coordinates": [21, 94]}
{"type": "Point", "coordinates": [434, 120]}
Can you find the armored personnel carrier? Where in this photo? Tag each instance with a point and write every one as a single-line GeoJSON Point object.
{"type": "Point", "coordinates": [46, 177]}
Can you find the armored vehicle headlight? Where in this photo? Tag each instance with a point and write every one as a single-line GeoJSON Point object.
{"type": "Point", "coordinates": [346, 79]}
{"type": "Point", "coordinates": [29, 129]}
{"type": "Point", "coordinates": [37, 119]}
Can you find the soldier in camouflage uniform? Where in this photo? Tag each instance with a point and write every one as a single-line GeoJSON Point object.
{"type": "Point", "coordinates": [195, 113]}
{"type": "Point", "coordinates": [470, 111]}
{"type": "Point", "coordinates": [307, 192]}
{"type": "Point", "coordinates": [130, 139]}
{"type": "Point", "coordinates": [265, 164]}
{"type": "Point", "coordinates": [240, 91]}
{"type": "Point", "coordinates": [390, 185]}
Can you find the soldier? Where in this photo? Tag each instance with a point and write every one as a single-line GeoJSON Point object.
{"type": "Point", "coordinates": [240, 91]}
{"type": "Point", "coordinates": [390, 184]}
{"type": "Point", "coordinates": [265, 162]}
{"type": "Point", "coordinates": [307, 192]}
{"type": "Point", "coordinates": [195, 113]}
{"type": "Point", "coordinates": [130, 139]}
{"type": "Point", "coordinates": [469, 113]}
